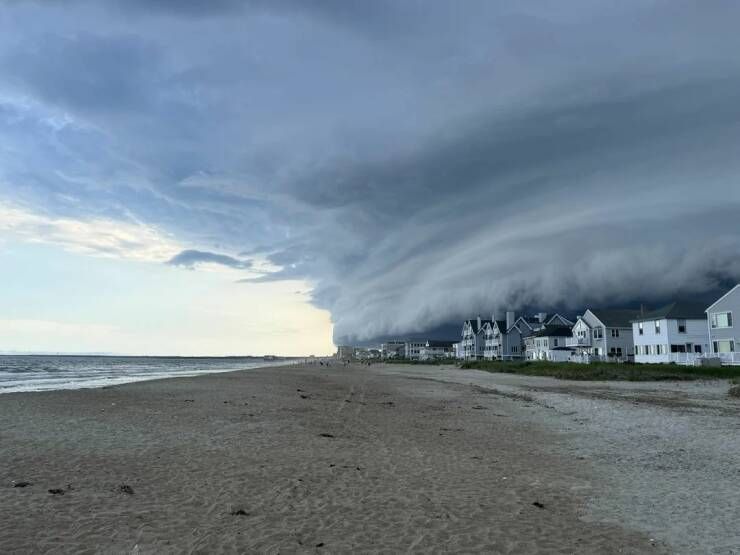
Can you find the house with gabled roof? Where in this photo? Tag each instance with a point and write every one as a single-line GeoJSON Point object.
{"type": "Point", "coordinates": [676, 332]}
{"type": "Point", "coordinates": [724, 327]}
{"type": "Point", "coordinates": [503, 339]}
{"type": "Point", "coordinates": [473, 339]}
{"type": "Point", "coordinates": [604, 334]}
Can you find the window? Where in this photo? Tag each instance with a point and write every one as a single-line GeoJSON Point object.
{"type": "Point", "coordinates": [637, 349]}
{"type": "Point", "coordinates": [615, 332]}
{"type": "Point", "coordinates": [648, 350]}
{"type": "Point", "coordinates": [598, 333]}
{"type": "Point", "coordinates": [659, 349]}
{"type": "Point", "coordinates": [555, 342]}
{"type": "Point", "coordinates": [721, 319]}
{"type": "Point", "coordinates": [697, 349]}
{"type": "Point", "coordinates": [682, 326]}
{"type": "Point", "coordinates": [657, 327]}
{"type": "Point", "coordinates": [639, 327]}
{"type": "Point", "coordinates": [724, 346]}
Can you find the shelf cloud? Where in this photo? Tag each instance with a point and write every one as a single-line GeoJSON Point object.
{"type": "Point", "coordinates": [416, 163]}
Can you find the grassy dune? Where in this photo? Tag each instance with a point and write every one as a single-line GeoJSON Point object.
{"type": "Point", "coordinates": [606, 370]}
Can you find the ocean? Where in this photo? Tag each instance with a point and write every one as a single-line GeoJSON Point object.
{"type": "Point", "coordinates": [48, 372]}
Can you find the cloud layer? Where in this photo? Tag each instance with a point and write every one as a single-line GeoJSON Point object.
{"type": "Point", "coordinates": [416, 162]}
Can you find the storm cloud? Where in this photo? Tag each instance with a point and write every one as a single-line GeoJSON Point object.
{"type": "Point", "coordinates": [191, 258]}
{"type": "Point", "coordinates": [417, 163]}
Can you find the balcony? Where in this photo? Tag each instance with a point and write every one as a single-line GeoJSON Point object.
{"type": "Point", "coordinates": [578, 341]}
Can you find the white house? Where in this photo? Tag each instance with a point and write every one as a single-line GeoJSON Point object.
{"type": "Point", "coordinates": [604, 335]}
{"type": "Point", "coordinates": [549, 343]}
{"type": "Point", "coordinates": [473, 338]}
{"type": "Point", "coordinates": [435, 350]}
{"type": "Point", "coordinates": [412, 349]}
{"type": "Point", "coordinates": [724, 329]}
{"type": "Point", "coordinates": [676, 332]}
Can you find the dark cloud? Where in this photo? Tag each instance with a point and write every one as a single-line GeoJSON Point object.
{"type": "Point", "coordinates": [414, 162]}
{"type": "Point", "coordinates": [191, 258]}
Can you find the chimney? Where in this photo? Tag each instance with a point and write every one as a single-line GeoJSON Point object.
{"type": "Point", "coordinates": [493, 316]}
{"type": "Point", "coordinates": [479, 321]}
{"type": "Point", "coordinates": [510, 319]}
{"type": "Point", "coordinates": [541, 317]}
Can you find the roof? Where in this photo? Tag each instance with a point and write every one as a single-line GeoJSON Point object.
{"type": "Point", "coordinates": [722, 298]}
{"type": "Point", "coordinates": [474, 324]}
{"type": "Point", "coordinates": [561, 317]}
{"type": "Point", "coordinates": [554, 331]}
{"type": "Point", "coordinates": [501, 325]}
{"type": "Point", "coordinates": [683, 310]}
{"type": "Point", "coordinates": [616, 318]}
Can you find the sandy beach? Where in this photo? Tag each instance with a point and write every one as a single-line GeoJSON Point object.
{"type": "Point", "coordinates": [370, 459]}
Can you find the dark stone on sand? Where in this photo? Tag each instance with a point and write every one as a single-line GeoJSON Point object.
{"type": "Point", "coordinates": [239, 512]}
{"type": "Point", "coordinates": [21, 484]}
{"type": "Point", "coordinates": [538, 505]}
{"type": "Point", "coordinates": [56, 491]}
{"type": "Point", "coordinates": [124, 488]}
{"type": "Point", "coordinates": [480, 407]}
{"type": "Point", "coordinates": [326, 435]}
{"type": "Point", "coordinates": [304, 396]}
{"type": "Point", "coordinates": [320, 544]}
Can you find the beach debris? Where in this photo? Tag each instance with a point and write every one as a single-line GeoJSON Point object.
{"type": "Point", "coordinates": [56, 491]}
{"type": "Point", "coordinates": [239, 512]}
{"type": "Point", "coordinates": [125, 488]}
{"type": "Point", "coordinates": [480, 407]}
{"type": "Point", "coordinates": [538, 505]}
{"type": "Point", "coordinates": [320, 544]}
{"type": "Point", "coordinates": [327, 435]}
{"type": "Point", "coordinates": [304, 397]}
{"type": "Point", "coordinates": [189, 401]}
{"type": "Point", "coordinates": [21, 484]}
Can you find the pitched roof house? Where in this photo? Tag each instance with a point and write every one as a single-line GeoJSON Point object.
{"type": "Point", "coordinates": [604, 334]}
{"type": "Point", "coordinates": [473, 338]}
{"type": "Point", "coordinates": [724, 327]}
{"type": "Point", "coordinates": [676, 332]}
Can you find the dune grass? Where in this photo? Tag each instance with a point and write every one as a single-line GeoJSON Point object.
{"type": "Point", "coordinates": [597, 371]}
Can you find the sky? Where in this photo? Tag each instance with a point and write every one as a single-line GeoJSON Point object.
{"type": "Point", "coordinates": [236, 177]}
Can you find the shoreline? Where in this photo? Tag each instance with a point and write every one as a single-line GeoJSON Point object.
{"type": "Point", "coordinates": [379, 458]}
{"type": "Point", "coordinates": [103, 381]}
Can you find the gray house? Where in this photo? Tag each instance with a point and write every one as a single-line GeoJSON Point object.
{"type": "Point", "coordinates": [604, 334]}
{"type": "Point", "coordinates": [503, 339]}
{"type": "Point", "coordinates": [724, 335]}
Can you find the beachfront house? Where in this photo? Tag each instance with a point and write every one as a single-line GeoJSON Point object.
{"type": "Point", "coordinates": [676, 332]}
{"type": "Point", "coordinates": [503, 339]}
{"type": "Point", "coordinates": [412, 349]}
{"type": "Point", "coordinates": [549, 343]}
{"type": "Point", "coordinates": [603, 335]}
{"type": "Point", "coordinates": [473, 338]}
{"type": "Point", "coordinates": [724, 332]}
{"type": "Point", "coordinates": [436, 350]}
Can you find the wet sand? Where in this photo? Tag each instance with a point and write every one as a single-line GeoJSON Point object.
{"type": "Point", "coordinates": [297, 459]}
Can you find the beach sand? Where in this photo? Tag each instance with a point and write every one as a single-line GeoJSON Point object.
{"type": "Point", "coordinates": [296, 459]}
